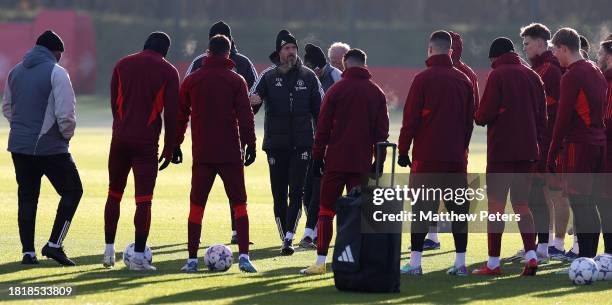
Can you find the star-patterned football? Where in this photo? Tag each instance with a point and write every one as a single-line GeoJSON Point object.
{"type": "Point", "coordinates": [583, 271]}
{"type": "Point", "coordinates": [218, 258]}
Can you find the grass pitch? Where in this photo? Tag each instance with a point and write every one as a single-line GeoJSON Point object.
{"type": "Point", "coordinates": [277, 282]}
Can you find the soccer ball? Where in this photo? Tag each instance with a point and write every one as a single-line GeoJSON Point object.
{"type": "Point", "coordinates": [583, 271]}
{"type": "Point", "coordinates": [218, 258]}
{"type": "Point", "coordinates": [128, 253]}
{"type": "Point", "coordinates": [604, 263]}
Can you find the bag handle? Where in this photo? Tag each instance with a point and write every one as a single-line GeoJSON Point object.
{"type": "Point", "coordinates": [379, 147]}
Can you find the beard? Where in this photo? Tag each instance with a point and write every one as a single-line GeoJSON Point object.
{"type": "Point", "coordinates": [287, 63]}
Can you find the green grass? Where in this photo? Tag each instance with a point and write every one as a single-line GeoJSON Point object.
{"type": "Point", "coordinates": [278, 281]}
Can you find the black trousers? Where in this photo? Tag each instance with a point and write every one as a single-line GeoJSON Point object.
{"type": "Point", "coordinates": [63, 175]}
{"type": "Point", "coordinates": [312, 194]}
{"type": "Point", "coordinates": [288, 169]}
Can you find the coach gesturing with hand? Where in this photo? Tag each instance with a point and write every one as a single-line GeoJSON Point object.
{"type": "Point", "coordinates": [292, 95]}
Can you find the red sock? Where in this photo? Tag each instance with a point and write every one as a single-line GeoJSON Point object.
{"type": "Point", "coordinates": [241, 218]}
{"type": "Point", "coordinates": [194, 229]}
{"type": "Point", "coordinates": [142, 223]}
{"type": "Point", "coordinates": [111, 216]}
{"type": "Point", "coordinates": [526, 226]}
{"type": "Point", "coordinates": [324, 232]}
{"type": "Point", "coordinates": [494, 242]}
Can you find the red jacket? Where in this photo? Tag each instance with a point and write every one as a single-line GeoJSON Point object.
{"type": "Point", "coordinates": [548, 68]}
{"type": "Point", "coordinates": [608, 113]}
{"type": "Point", "coordinates": [438, 114]}
{"type": "Point", "coordinates": [216, 98]}
{"type": "Point", "coordinates": [513, 107]}
{"type": "Point", "coordinates": [353, 118]}
{"type": "Point", "coordinates": [463, 67]}
{"type": "Point", "coordinates": [581, 107]}
{"type": "Point", "coordinates": [143, 85]}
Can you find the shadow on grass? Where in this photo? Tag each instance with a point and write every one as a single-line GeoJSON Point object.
{"type": "Point", "coordinates": [285, 285]}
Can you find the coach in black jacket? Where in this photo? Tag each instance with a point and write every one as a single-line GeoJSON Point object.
{"type": "Point", "coordinates": [243, 64]}
{"type": "Point", "coordinates": [292, 95]}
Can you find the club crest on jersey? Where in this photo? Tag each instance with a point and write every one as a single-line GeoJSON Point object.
{"type": "Point", "coordinates": [305, 155]}
{"type": "Point", "coordinates": [300, 85]}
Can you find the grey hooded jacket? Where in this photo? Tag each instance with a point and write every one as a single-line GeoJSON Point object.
{"type": "Point", "coordinates": [39, 104]}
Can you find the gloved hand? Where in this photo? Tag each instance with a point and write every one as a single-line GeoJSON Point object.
{"type": "Point", "coordinates": [404, 161]}
{"type": "Point", "coordinates": [177, 156]}
{"type": "Point", "coordinates": [249, 155]}
{"type": "Point", "coordinates": [317, 168]}
{"type": "Point", "coordinates": [166, 162]}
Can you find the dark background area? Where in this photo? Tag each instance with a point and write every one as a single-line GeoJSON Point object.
{"type": "Point", "coordinates": [393, 32]}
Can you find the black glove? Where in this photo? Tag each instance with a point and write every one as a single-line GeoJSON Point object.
{"type": "Point", "coordinates": [404, 161]}
{"type": "Point", "coordinates": [249, 156]}
{"type": "Point", "coordinates": [166, 162]}
{"type": "Point", "coordinates": [317, 168]}
{"type": "Point", "coordinates": [177, 156]}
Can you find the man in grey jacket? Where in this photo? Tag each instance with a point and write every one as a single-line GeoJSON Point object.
{"type": "Point", "coordinates": [39, 104]}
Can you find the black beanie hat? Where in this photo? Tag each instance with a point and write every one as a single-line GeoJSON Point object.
{"type": "Point", "coordinates": [158, 42]}
{"type": "Point", "coordinates": [220, 28]}
{"type": "Point", "coordinates": [284, 37]}
{"type": "Point", "coordinates": [500, 45]}
{"type": "Point", "coordinates": [51, 41]}
{"type": "Point", "coordinates": [315, 56]}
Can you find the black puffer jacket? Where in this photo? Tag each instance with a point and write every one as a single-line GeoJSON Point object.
{"type": "Point", "coordinates": [291, 103]}
{"type": "Point", "coordinates": [243, 66]}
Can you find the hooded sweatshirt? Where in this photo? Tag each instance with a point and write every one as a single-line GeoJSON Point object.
{"type": "Point", "coordinates": [39, 104]}
{"type": "Point", "coordinates": [513, 107]}
{"type": "Point", "coordinates": [463, 67]}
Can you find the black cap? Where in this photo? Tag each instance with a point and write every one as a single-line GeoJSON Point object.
{"type": "Point", "coordinates": [284, 37]}
{"type": "Point", "coordinates": [220, 28]}
{"type": "Point", "coordinates": [500, 45]}
{"type": "Point", "coordinates": [158, 42]}
{"type": "Point", "coordinates": [315, 56]}
{"type": "Point", "coordinates": [51, 41]}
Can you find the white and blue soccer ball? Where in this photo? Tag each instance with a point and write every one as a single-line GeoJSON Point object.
{"type": "Point", "coordinates": [583, 271]}
{"type": "Point", "coordinates": [128, 253]}
{"type": "Point", "coordinates": [218, 258]}
{"type": "Point", "coordinates": [604, 263]}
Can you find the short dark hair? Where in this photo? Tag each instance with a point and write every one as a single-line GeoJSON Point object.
{"type": "Point", "coordinates": [607, 46]}
{"type": "Point", "coordinates": [584, 44]}
{"type": "Point", "coordinates": [356, 55]}
{"type": "Point", "coordinates": [158, 42]}
{"type": "Point", "coordinates": [442, 40]}
{"type": "Point", "coordinates": [567, 37]}
{"type": "Point", "coordinates": [219, 45]}
{"type": "Point", "coordinates": [536, 30]}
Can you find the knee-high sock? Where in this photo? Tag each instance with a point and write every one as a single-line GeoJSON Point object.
{"type": "Point", "coordinates": [604, 206]}
{"type": "Point", "coordinates": [112, 211]}
{"type": "Point", "coordinates": [587, 224]}
{"type": "Point", "coordinates": [539, 211]}
{"type": "Point", "coordinates": [526, 226]}
{"type": "Point", "coordinates": [194, 229]}
{"type": "Point", "coordinates": [325, 232]}
{"type": "Point", "coordinates": [142, 223]}
{"type": "Point", "coordinates": [241, 218]}
{"type": "Point", "coordinates": [495, 229]}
